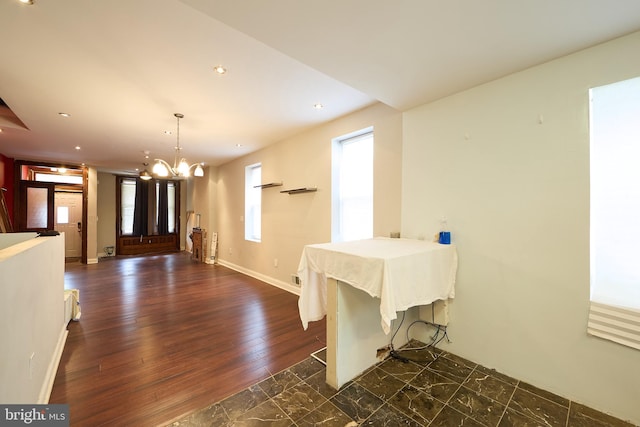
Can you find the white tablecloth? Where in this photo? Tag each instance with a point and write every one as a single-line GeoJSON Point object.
{"type": "Point", "coordinates": [401, 272]}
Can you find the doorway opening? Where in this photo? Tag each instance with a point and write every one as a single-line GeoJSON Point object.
{"type": "Point", "coordinates": [53, 197]}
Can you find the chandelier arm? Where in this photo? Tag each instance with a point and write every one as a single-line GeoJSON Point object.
{"type": "Point", "coordinates": [170, 170]}
{"type": "Point", "coordinates": [164, 163]}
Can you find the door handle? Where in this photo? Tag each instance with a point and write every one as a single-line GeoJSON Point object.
{"type": "Point", "coordinates": [79, 226]}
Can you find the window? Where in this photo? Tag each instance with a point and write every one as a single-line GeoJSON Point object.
{"type": "Point", "coordinates": [62, 215]}
{"type": "Point", "coordinates": [147, 207]}
{"type": "Point", "coordinates": [253, 203]}
{"type": "Point", "coordinates": [171, 206]}
{"type": "Point", "coordinates": [127, 205]}
{"type": "Point", "coordinates": [59, 179]}
{"type": "Point", "coordinates": [615, 209]}
{"type": "Point", "coordinates": [352, 211]}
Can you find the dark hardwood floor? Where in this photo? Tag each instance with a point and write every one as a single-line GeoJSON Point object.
{"type": "Point", "coordinates": [162, 336]}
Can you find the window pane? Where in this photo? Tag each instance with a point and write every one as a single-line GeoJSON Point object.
{"type": "Point", "coordinates": [62, 215]}
{"type": "Point", "coordinates": [615, 193]}
{"type": "Point", "coordinates": [59, 179]}
{"type": "Point", "coordinates": [127, 203]}
{"type": "Point", "coordinates": [253, 203]}
{"type": "Point", "coordinates": [171, 199]}
{"type": "Point", "coordinates": [37, 207]}
{"type": "Point", "coordinates": [353, 192]}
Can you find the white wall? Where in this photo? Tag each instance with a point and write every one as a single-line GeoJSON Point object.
{"type": "Point", "coordinates": [291, 221]}
{"type": "Point", "coordinates": [508, 164]}
{"type": "Point", "coordinates": [32, 329]}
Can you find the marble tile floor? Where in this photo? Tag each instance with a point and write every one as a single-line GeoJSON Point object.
{"type": "Point", "coordinates": [435, 388]}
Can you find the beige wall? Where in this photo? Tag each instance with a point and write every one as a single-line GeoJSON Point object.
{"type": "Point", "coordinates": [106, 206]}
{"type": "Point", "coordinates": [508, 164]}
{"type": "Point", "coordinates": [291, 221]}
{"type": "Point", "coordinates": [202, 200]}
{"type": "Point", "coordinates": [92, 216]}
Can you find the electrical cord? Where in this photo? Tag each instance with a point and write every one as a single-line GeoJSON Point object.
{"type": "Point", "coordinates": [394, 353]}
{"type": "Point", "coordinates": [439, 335]}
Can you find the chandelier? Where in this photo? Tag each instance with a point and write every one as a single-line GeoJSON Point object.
{"type": "Point", "coordinates": [180, 166]}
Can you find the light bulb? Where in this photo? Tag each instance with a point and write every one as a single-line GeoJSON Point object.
{"type": "Point", "coordinates": [160, 169]}
{"type": "Point", "coordinates": [183, 168]}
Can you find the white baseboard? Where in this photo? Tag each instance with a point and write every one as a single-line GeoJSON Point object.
{"type": "Point", "coordinates": [92, 260]}
{"type": "Point", "coordinates": [52, 369]}
{"type": "Point", "coordinates": [270, 280]}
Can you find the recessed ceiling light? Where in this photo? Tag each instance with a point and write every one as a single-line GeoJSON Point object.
{"type": "Point", "coordinates": [219, 69]}
{"type": "Point", "coordinates": [65, 114]}
{"type": "Point", "coordinates": [26, 1]}
{"type": "Point", "coordinates": [318, 106]}
{"type": "Point", "coordinates": [238, 145]}
{"type": "Point", "coordinates": [77, 147]}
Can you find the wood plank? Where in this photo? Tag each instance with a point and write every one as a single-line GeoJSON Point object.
{"type": "Point", "coordinates": [162, 336]}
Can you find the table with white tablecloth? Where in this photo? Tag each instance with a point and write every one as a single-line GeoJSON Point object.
{"type": "Point", "coordinates": [386, 275]}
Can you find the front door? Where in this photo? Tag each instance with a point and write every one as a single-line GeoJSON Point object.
{"type": "Point", "coordinates": [68, 220]}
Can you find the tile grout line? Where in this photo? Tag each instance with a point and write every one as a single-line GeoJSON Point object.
{"type": "Point", "coordinates": [454, 393]}
{"type": "Point", "coordinates": [405, 384]}
{"type": "Point", "coordinates": [506, 406]}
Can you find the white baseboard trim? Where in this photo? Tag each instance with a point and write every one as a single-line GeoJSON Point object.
{"type": "Point", "coordinates": [270, 280]}
{"type": "Point", "coordinates": [92, 260]}
{"type": "Point", "coordinates": [47, 385]}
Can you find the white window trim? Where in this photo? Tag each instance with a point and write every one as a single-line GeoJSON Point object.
{"type": "Point", "coordinates": [337, 234]}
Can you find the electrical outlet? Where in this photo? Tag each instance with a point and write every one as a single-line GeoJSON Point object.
{"type": "Point", "coordinates": [295, 279]}
{"type": "Point", "coordinates": [275, 262]}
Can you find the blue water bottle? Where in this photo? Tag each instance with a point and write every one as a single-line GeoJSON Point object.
{"type": "Point", "coordinates": [444, 238]}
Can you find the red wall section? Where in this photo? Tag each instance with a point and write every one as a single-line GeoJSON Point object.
{"type": "Point", "coordinates": [6, 181]}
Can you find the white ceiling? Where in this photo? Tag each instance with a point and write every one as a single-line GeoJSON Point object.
{"type": "Point", "coordinates": [122, 68]}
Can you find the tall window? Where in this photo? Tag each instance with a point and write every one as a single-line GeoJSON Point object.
{"type": "Point", "coordinates": [253, 203]}
{"type": "Point", "coordinates": [147, 207]}
{"type": "Point", "coordinates": [127, 205]}
{"type": "Point", "coordinates": [352, 194]}
{"type": "Point", "coordinates": [171, 206]}
{"type": "Point", "coordinates": [615, 211]}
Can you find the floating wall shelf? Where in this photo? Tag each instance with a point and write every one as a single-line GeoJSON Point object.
{"type": "Point", "coordinates": [300, 190]}
{"type": "Point", "coordinates": [269, 185]}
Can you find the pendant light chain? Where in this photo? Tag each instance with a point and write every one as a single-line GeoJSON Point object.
{"type": "Point", "coordinates": [178, 159]}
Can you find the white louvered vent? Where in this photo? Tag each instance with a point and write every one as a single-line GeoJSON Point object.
{"type": "Point", "coordinates": [621, 325]}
